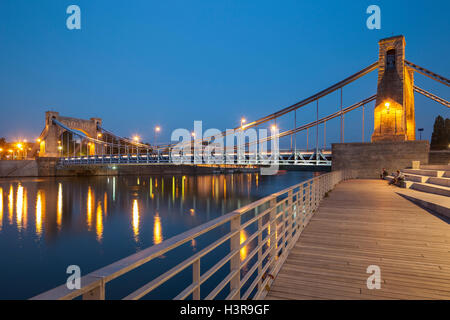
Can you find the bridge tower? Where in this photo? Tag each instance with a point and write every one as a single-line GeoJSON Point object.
{"type": "Point", "coordinates": [394, 110]}
{"type": "Point", "coordinates": [51, 137]}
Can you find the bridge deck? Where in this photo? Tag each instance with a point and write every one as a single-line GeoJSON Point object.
{"type": "Point", "coordinates": [362, 223]}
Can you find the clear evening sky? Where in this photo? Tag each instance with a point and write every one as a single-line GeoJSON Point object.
{"type": "Point", "coordinates": [141, 63]}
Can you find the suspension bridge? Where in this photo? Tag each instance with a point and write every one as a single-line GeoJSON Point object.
{"type": "Point", "coordinates": [353, 229]}
{"type": "Point", "coordinates": [87, 142]}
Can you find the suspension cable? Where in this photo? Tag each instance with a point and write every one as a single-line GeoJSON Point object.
{"type": "Point", "coordinates": [432, 96]}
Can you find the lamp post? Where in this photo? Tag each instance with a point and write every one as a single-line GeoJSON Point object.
{"type": "Point", "coordinates": [157, 130]}
{"type": "Point", "coordinates": [420, 133]}
{"type": "Point", "coordinates": [136, 139]}
{"type": "Point", "coordinates": [19, 148]}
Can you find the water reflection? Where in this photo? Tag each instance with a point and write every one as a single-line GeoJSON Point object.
{"type": "Point", "coordinates": [11, 204]}
{"type": "Point", "coordinates": [105, 203]}
{"type": "Point", "coordinates": [19, 206]}
{"type": "Point", "coordinates": [244, 249]}
{"type": "Point", "coordinates": [1, 208]}
{"type": "Point", "coordinates": [59, 207]}
{"type": "Point", "coordinates": [25, 209]}
{"type": "Point", "coordinates": [136, 219]}
{"type": "Point", "coordinates": [90, 202]}
{"type": "Point", "coordinates": [81, 212]}
{"type": "Point", "coordinates": [39, 212]}
{"type": "Point", "coordinates": [157, 234]}
{"type": "Point", "coordinates": [99, 222]}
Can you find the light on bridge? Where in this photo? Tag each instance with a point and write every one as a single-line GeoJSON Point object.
{"type": "Point", "coordinates": [158, 128]}
{"type": "Point", "coordinates": [273, 127]}
{"type": "Point", "coordinates": [136, 138]}
{"type": "Point", "coordinates": [387, 105]}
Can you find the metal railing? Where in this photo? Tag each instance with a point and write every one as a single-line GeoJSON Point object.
{"type": "Point", "coordinates": [304, 158]}
{"type": "Point", "coordinates": [278, 226]}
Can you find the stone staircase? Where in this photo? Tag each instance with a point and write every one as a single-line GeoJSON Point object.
{"type": "Point", "coordinates": [431, 185]}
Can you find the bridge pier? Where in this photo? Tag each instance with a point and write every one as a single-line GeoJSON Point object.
{"type": "Point", "coordinates": [368, 159]}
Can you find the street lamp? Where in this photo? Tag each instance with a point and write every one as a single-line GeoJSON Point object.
{"type": "Point", "coordinates": [420, 133]}
{"type": "Point", "coordinates": [243, 120]}
{"type": "Point", "coordinates": [157, 129]}
{"type": "Point", "coordinates": [387, 105]}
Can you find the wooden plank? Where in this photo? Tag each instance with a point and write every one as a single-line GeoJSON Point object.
{"type": "Point", "coordinates": [362, 223]}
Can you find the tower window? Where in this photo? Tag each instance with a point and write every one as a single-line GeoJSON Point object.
{"type": "Point", "coordinates": [390, 60]}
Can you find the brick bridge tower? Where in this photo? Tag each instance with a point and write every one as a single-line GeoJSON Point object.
{"type": "Point", "coordinates": [50, 141]}
{"type": "Point", "coordinates": [394, 110]}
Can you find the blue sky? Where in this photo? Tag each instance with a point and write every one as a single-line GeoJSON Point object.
{"type": "Point", "coordinates": [140, 63]}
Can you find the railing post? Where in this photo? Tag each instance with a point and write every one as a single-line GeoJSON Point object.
{"type": "Point", "coordinates": [235, 262]}
{"type": "Point", "coordinates": [289, 211]}
{"type": "Point", "coordinates": [196, 279]}
{"type": "Point", "coordinates": [98, 293]}
{"type": "Point", "coordinates": [273, 229]}
{"type": "Point", "coordinates": [259, 252]}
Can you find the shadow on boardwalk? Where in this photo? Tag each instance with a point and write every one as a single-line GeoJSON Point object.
{"type": "Point", "coordinates": [363, 223]}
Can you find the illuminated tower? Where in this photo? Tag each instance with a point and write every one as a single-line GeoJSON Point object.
{"type": "Point", "coordinates": [394, 111]}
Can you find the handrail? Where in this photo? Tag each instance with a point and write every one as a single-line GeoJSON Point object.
{"type": "Point", "coordinates": [286, 219]}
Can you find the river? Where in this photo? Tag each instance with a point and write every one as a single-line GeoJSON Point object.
{"type": "Point", "coordinates": [47, 224]}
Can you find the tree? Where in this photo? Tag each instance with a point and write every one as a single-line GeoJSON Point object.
{"type": "Point", "coordinates": [440, 138]}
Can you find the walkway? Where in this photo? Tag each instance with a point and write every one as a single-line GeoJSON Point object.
{"type": "Point", "coordinates": [362, 223]}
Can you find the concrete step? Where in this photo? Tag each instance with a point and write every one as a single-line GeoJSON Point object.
{"type": "Point", "coordinates": [428, 173]}
{"type": "Point", "coordinates": [436, 203]}
{"type": "Point", "coordinates": [439, 181]}
{"type": "Point", "coordinates": [442, 181]}
{"type": "Point", "coordinates": [431, 188]}
{"type": "Point", "coordinates": [440, 167]}
{"type": "Point", "coordinates": [415, 177]}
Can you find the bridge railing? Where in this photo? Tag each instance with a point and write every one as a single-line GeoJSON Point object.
{"type": "Point", "coordinates": [278, 226]}
{"type": "Point", "coordinates": [297, 158]}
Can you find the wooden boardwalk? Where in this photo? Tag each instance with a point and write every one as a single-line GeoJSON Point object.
{"type": "Point", "coordinates": [362, 223]}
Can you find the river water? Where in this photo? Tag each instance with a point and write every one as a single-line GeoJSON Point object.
{"type": "Point", "coordinates": [47, 224]}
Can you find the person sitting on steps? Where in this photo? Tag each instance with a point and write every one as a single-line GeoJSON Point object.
{"type": "Point", "coordinates": [383, 174]}
{"type": "Point", "coordinates": [398, 179]}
